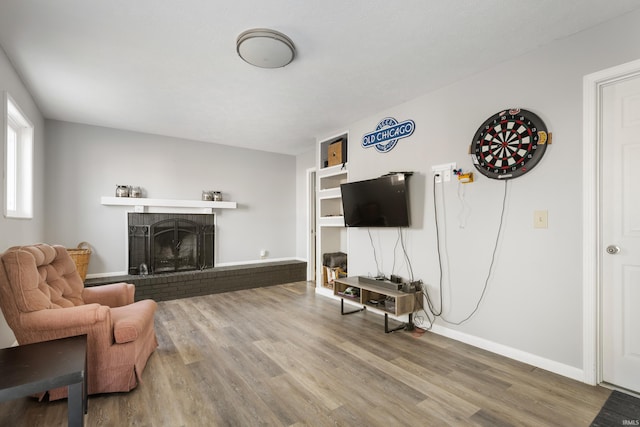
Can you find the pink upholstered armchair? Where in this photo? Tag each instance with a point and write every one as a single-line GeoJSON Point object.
{"type": "Point", "coordinates": [43, 298]}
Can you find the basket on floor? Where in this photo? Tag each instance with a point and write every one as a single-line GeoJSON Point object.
{"type": "Point", "coordinates": [80, 256]}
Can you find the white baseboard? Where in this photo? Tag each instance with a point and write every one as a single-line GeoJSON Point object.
{"type": "Point", "coordinates": [101, 275]}
{"type": "Point", "coordinates": [503, 350]}
{"type": "Point", "coordinates": [512, 353]}
{"type": "Point", "coordinates": [324, 291]}
{"type": "Point", "coordinates": [257, 261]}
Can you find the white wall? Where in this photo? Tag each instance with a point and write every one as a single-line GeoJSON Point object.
{"type": "Point", "coordinates": [87, 162]}
{"type": "Point", "coordinates": [533, 304]}
{"type": "Point", "coordinates": [22, 231]}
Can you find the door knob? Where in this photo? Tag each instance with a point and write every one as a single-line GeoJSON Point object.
{"type": "Point", "coordinates": [612, 249]}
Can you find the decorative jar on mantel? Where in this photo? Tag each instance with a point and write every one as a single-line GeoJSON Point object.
{"type": "Point", "coordinates": [122, 191]}
{"type": "Point", "coordinates": [210, 196]}
{"type": "Point", "coordinates": [135, 192]}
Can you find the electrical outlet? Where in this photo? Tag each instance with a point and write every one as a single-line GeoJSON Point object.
{"type": "Point", "coordinates": [443, 172]}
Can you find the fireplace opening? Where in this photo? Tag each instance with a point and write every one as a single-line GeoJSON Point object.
{"type": "Point", "coordinates": [163, 243]}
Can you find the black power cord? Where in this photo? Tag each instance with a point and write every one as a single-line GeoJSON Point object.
{"type": "Point", "coordinates": [435, 216]}
{"type": "Point", "coordinates": [417, 318]}
{"type": "Point", "coordinates": [491, 265]}
{"type": "Point", "coordinates": [406, 255]}
{"type": "Point", "coordinates": [375, 256]}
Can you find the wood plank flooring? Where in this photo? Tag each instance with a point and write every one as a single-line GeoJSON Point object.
{"type": "Point", "coordinates": [282, 356]}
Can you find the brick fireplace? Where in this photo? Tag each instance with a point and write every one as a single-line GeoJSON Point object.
{"type": "Point", "coordinates": [192, 275]}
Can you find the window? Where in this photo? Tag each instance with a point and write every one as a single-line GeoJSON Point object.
{"type": "Point", "coordinates": [18, 155]}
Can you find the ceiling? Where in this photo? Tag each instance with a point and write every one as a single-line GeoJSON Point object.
{"type": "Point", "coordinates": [170, 67]}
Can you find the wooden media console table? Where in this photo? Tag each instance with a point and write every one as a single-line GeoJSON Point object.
{"type": "Point", "coordinates": [387, 300]}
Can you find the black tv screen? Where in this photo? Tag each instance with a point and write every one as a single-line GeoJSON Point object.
{"type": "Point", "coordinates": [379, 202]}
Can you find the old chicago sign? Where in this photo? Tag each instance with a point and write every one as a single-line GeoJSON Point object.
{"type": "Point", "coordinates": [387, 134]}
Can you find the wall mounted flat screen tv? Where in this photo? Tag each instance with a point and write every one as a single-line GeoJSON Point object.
{"type": "Point", "coordinates": [379, 202]}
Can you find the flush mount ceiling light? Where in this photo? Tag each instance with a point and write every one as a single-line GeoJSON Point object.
{"type": "Point", "coordinates": [265, 48]}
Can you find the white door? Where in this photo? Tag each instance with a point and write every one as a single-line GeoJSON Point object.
{"type": "Point", "coordinates": [620, 233]}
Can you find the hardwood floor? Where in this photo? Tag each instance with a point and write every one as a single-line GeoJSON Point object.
{"type": "Point", "coordinates": [283, 356]}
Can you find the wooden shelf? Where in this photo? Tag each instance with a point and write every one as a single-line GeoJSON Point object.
{"type": "Point", "coordinates": [333, 177]}
{"type": "Point", "coordinates": [331, 193]}
{"type": "Point", "coordinates": [402, 302]}
{"type": "Point", "coordinates": [331, 221]}
{"type": "Point", "coordinates": [140, 203]}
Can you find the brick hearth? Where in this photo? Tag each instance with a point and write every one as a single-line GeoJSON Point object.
{"type": "Point", "coordinates": [168, 286]}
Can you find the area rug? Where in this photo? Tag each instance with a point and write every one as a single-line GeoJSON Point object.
{"type": "Point", "coordinates": [620, 409]}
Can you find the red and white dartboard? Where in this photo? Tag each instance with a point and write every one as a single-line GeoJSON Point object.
{"type": "Point", "coordinates": [509, 144]}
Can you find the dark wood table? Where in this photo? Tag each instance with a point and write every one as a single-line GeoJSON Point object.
{"type": "Point", "coordinates": [33, 368]}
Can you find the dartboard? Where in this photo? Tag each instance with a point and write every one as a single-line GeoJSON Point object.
{"type": "Point", "coordinates": [509, 144]}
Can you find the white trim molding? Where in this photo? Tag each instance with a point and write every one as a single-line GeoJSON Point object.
{"type": "Point", "coordinates": [512, 353]}
{"type": "Point", "coordinates": [592, 91]}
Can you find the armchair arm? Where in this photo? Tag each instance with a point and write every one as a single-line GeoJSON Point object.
{"type": "Point", "coordinates": [113, 295]}
{"type": "Point", "coordinates": [81, 316]}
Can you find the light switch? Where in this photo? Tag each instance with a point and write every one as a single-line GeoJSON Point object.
{"type": "Point", "coordinates": [540, 219]}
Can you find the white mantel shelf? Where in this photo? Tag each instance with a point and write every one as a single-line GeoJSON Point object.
{"type": "Point", "coordinates": [141, 203]}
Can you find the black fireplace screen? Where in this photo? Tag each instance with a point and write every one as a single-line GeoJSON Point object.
{"type": "Point", "coordinates": [162, 243]}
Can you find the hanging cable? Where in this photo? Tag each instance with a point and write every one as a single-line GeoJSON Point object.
{"type": "Point", "coordinates": [464, 207]}
{"type": "Point", "coordinates": [493, 258]}
{"type": "Point", "coordinates": [424, 288]}
{"type": "Point", "coordinates": [406, 255]}
{"type": "Point", "coordinates": [417, 318]}
{"type": "Point", "coordinates": [395, 248]}
{"type": "Point", "coordinates": [375, 256]}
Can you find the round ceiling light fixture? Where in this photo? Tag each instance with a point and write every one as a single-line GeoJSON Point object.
{"type": "Point", "coordinates": [265, 48]}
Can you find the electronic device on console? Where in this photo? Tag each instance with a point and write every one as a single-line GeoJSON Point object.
{"type": "Point", "coordinates": [382, 283]}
